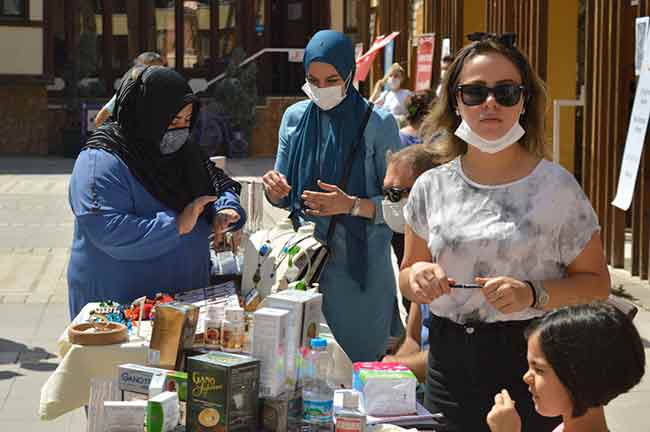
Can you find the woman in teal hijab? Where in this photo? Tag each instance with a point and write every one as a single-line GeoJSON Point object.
{"type": "Point", "coordinates": [315, 140]}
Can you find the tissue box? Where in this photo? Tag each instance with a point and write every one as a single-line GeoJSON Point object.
{"type": "Point", "coordinates": [223, 392]}
{"type": "Point", "coordinates": [270, 347]}
{"type": "Point", "coordinates": [303, 324]}
{"type": "Point", "coordinates": [124, 416]}
{"type": "Point", "coordinates": [388, 389]}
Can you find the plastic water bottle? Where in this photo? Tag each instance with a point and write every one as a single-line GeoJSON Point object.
{"type": "Point", "coordinates": [317, 394]}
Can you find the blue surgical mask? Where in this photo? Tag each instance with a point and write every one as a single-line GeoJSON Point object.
{"type": "Point", "coordinates": [173, 140]}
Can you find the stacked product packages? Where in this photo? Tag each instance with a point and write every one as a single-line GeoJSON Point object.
{"type": "Point", "coordinates": [280, 347]}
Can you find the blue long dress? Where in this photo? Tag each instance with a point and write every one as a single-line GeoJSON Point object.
{"type": "Point", "coordinates": [126, 243]}
{"type": "Point", "coordinates": [359, 319]}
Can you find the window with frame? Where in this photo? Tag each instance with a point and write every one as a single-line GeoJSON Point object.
{"type": "Point", "coordinates": [13, 9]}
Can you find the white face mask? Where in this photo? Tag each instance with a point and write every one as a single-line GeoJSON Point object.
{"type": "Point", "coordinates": [394, 214]}
{"type": "Point", "coordinates": [326, 98]}
{"type": "Point", "coordinates": [173, 140]}
{"type": "Point", "coordinates": [394, 83]}
{"type": "Point", "coordinates": [465, 133]}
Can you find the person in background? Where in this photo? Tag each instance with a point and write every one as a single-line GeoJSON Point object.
{"type": "Point", "coordinates": [500, 217]}
{"type": "Point", "coordinates": [148, 58]}
{"type": "Point", "coordinates": [145, 199]}
{"type": "Point", "coordinates": [404, 167]}
{"type": "Point", "coordinates": [316, 139]}
{"type": "Point", "coordinates": [579, 359]}
{"type": "Point", "coordinates": [417, 106]}
{"type": "Point", "coordinates": [394, 98]}
{"type": "Point", "coordinates": [445, 62]}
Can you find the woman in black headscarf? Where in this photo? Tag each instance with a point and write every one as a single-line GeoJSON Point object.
{"type": "Point", "coordinates": [145, 199]}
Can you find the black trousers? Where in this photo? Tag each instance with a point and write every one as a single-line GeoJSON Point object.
{"type": "Point", "coordinates": [469, 364]}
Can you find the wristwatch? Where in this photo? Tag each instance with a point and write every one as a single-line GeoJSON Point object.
{"type": "Point", "coordinates": [356, 207]}
{"type": "Point", "coordinates": [541, 295]}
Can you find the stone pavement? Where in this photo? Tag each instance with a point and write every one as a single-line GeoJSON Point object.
{"type": "Point", "coordinates": [35, 236]}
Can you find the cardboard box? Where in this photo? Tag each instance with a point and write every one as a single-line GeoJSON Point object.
{"type": "Point", "coordinates": [270, 347]}
{"type": "Point", "coordinates": [137, 379]}
{"type": "Point", "coordinates": [173, 331]}
{"type": "Point", "coordinates": [282, 413]}
{"type": "Point", "coordinates": [303, 324]}
{"type": "Point", "coordinates": [223, 392]}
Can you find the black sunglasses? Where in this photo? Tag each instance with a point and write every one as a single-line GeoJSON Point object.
{"type": "Point", "coordinates": [394, 194]}
{"type": "Point", "coordinates": [506, 95]}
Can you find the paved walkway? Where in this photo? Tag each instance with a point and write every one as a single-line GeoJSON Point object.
{"type": "Point", "coordinates": [35, 236]}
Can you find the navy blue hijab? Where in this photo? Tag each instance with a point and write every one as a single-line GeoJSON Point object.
{"type": "Point", "coordinates": [311, 160]}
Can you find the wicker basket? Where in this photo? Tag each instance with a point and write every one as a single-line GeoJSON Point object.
{"type": "Point", "coordinates": [98, 332]}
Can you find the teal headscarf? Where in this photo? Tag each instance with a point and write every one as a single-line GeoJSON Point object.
{"type": "Point", "coordinates": [310, 159]}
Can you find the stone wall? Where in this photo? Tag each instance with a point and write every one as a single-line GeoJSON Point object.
{"type": "Point", "coordinates": [23, 119]}
{"type": "Point", "coordinates": [264, 140]}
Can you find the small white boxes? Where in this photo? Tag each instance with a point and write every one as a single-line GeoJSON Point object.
{"type": "Point", "coordinates": [304, 317]}
{"type": "Point", "coordinates": [270, 347]}
{"type": "Point", "coordinates": [124, 416]}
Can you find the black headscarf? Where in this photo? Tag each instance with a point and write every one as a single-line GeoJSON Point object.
{"type": "Point", "coordinates": [146, 103]}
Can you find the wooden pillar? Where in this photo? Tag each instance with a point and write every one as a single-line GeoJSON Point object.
{"type": "Point", "coordinates": [134, 26]}
{"type": "Point", "coordinates": [474, 19]}
{"type": "Point", "coordinates": [561, 71]}
{"type": "Point", "coordinates": [179, 33]}
{"type": "Point", "coordinates": [107, 46]}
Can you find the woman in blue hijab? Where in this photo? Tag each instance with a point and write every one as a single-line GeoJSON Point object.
{"type": "Point", "coordinates": [315, 140]}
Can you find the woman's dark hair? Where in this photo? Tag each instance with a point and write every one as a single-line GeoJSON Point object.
{"type": "Point", "coordinates": [595, 350]}
{"type": "Point", "coordinates": [419, 106]}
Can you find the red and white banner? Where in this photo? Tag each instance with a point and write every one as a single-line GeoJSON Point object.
{"type": "Point", "coordinates": [364, 62]}
{"type": "Point", "coordinates": [424, 64]}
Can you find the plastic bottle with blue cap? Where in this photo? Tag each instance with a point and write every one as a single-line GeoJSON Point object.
{"type": "Point", "coordinates": [317, 393]}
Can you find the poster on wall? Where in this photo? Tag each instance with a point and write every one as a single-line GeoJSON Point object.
{"type": "Point", "coordinates": [424, 63]}
{"type": "Point", "coordinates": [640, 46]}
{"type": "Point", "coordinates": [634, 140]}
{"type": "Point", "coordinates": [446, 48]}
{"type": "Point", "coordinates": [389, 54]}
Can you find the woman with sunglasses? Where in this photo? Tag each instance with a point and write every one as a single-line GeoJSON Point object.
{"type": "Point", "coordinates": [316, 141]}
{"type": "Point", "coordinates": [501, 217]}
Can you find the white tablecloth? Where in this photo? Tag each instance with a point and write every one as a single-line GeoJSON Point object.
{"type": "Point", "coordinates": [68, 388]}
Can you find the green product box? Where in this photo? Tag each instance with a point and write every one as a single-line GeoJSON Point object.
{"type": "Point", "coordinates": [222, 392]}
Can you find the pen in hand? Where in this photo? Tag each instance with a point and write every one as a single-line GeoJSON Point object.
{"type": "Point", "coordinates": [466, 286]}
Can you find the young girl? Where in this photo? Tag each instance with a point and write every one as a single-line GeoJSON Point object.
{"type": "Point", "coordinates": [579, 359]}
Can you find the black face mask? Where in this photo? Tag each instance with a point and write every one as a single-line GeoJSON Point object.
{"type": "Point", "coordinates": [173, 140]}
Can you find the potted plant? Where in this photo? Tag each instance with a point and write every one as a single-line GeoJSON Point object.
{"type": "Point", "coordinates": [236, 98]}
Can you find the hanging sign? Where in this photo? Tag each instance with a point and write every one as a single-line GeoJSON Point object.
{"type": "Point", "coordinates": [424, 63]}
{"type": "Point", "coordinates": [635, 139]}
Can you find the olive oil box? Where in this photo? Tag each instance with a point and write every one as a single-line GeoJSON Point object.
{"type": "Point", "coordinates": [222, 393]}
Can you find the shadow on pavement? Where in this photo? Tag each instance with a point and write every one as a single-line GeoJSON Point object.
{"type": "Point", "coordinates": [35, 165]}
{"type": "Point", "coordinates": [5, 375]}
{"type": "Point", "coordinates": [29, 358]}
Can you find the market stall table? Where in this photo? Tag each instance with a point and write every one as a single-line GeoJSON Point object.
{"type": "Point", "coordinates": [68, 388]}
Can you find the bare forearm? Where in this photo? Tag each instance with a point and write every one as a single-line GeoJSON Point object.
{"type": "Point", "coordinates": [576, 289]}
{"type": "Point", "coordinates": [416, 362]}
{"type": "Point", "coordinates": [409, 346]}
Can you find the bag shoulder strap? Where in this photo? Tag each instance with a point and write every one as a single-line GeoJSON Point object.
{"type": "Point", "coordinates": [343, 183]}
